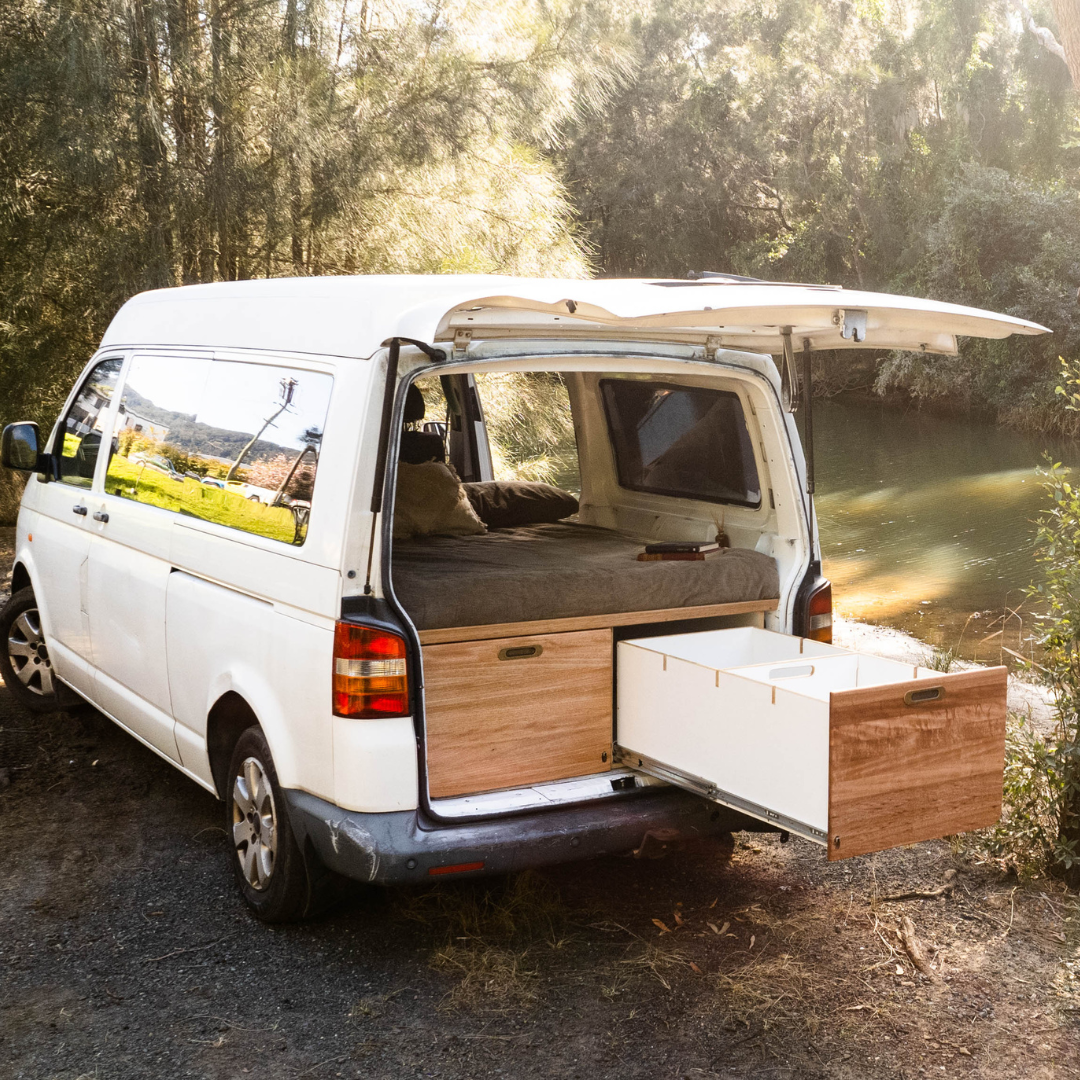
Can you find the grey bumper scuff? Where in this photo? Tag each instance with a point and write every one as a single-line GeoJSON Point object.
{"type": "Point", "coordinates": [399, 847]}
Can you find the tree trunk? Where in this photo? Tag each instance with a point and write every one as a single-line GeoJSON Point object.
{"type": "Point", "coordinates": [1067, 13]}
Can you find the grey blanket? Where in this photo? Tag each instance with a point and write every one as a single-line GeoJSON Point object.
{"type": "Point", "coordinates": [561, 571]}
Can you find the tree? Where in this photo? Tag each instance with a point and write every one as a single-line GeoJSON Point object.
{"type": "Point", "coordinates": [1067, 14]}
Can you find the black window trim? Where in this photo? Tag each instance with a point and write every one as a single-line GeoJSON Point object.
{"type": "Point", "coordinates": [670, 494]}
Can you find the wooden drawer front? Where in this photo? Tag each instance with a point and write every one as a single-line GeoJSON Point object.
{"type": "Point", "coordinates": [509, 712]}
{"type": "Point", "coordinates": [900, 773]}
{"type": "Point", "coordinates": [853, 751]}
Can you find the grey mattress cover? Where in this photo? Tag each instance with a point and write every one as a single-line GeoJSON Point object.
{"type": "Point", "coordinates": [561, 571]}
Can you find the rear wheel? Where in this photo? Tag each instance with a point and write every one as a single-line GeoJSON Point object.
{"type": "Point", "coordinates": [278, 882]}
{"type": "Point", "coordinates": [24, 659]}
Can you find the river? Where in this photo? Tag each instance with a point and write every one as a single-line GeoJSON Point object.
{"type": "Point", "coordinates": [927, 523]}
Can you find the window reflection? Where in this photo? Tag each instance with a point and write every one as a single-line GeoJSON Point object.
{"type": "Point", "coordinates": [79, 436]}
{"type": "Point", "coordinates": [233, 443]}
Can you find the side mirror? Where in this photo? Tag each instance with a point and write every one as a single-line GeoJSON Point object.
{"type": "Point", "coordinates": [20, 447]}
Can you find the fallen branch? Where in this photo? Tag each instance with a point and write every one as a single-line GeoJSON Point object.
{"type": "Point", "coordinates": [913, 947]}
{"type": "Point", "coordinates": [194, 948]}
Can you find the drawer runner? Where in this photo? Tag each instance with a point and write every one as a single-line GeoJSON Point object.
{"type": "Point", "coordinates": [699, 786]}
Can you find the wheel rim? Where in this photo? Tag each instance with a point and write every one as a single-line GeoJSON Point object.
{"type": "Point", "coordinates": [254, 823]}
{"type": "Point", "coordinates": [28, 655]}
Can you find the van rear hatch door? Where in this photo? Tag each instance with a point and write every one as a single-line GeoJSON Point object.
{"type": "Point", "coordinates": [730, 315]}
{"type": "Point", "coordinates": [852, 751]}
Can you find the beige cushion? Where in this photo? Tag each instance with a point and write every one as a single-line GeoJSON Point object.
{"type": "Point", "coordinates": [431, 501]}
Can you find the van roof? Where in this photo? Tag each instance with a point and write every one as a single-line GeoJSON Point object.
{"type": "Point", "coordinates": [354, 316]}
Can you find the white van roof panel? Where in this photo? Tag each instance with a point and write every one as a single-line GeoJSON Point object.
{"type": "Point", "coordinates": [354, 316]}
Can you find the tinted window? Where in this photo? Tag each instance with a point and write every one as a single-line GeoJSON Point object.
{"type": "Point", "coordinates": [681, 440]}
{"type": "Point", "coordinates": [79, 437]}
{"type": "Point", "coordinates": [237, 444]}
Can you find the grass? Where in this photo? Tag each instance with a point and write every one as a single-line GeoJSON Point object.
{"type": "Point", "coordinates": [132, 480]}
{"type": "Point", "coordinates": [489, 933]}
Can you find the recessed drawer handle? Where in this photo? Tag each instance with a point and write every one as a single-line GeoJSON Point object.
{"type": "Point", "coordinates": [924, 697]}
{"type": "Point", "coordinates": [520, 652]}
{"type": "Point", "coordinates": [792, 672]}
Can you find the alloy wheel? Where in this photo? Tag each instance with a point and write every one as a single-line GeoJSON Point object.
{"type": "Point", "coordinates": [28, 655]}
{"type": "Point", "coordinates": [254, 823]}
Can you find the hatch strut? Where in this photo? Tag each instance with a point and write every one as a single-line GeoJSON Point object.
{"type": "Point", "coordinates": [808, 399]}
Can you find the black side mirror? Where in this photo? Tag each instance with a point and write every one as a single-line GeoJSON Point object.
{"type": "Point", "coordinates": [20, 447]}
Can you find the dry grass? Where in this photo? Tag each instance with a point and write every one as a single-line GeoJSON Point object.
{"type": "Point", "coordinates": [488, 934]}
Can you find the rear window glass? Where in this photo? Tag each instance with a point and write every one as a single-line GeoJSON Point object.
{"type": "Point", "coordinates": [686, 441]}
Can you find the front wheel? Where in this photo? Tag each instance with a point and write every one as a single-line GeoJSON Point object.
{"type": "Point", "coordinates": [276, 880]}
{"type": "Point", "coordinates": [24, 659]}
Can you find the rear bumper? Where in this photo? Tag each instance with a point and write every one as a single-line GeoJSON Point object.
{"type": "Point", "coordinates": [400, 847]}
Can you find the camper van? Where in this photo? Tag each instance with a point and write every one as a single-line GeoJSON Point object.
{"type": "Point", "coordinates": [421, 653]}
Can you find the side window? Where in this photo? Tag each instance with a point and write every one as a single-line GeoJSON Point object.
{"type": "Point", "coordinates": [233, 443]}
{"type": "Point", "coordinates": [78, 438]}
{"type": "Point", "coordinates": [685, 441]}
{"type": "Point", "coordinates": [530, 427]}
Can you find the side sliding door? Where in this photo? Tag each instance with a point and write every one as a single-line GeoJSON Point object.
{"type": "Point", "coordinates": [63, 533]}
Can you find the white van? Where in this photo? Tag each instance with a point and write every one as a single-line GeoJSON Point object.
{"type": "Point", "coordinates": [402, 660]}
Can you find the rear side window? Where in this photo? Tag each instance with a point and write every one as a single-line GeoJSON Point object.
{"type": "Point", "coordinates": [686, 441]}
{"type": "Point", "coordinates": [233, 443]}
{"type": "Point", "coordinates": [78, 439]}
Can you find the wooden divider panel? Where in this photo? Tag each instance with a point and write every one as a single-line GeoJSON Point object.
{"type": "Point", "coordinates": [903, 768]}
{"type": "Point", "coordinates": [508, 712]}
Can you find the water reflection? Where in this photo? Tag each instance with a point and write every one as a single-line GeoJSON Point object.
{"type": "Point", "coordinates": [927, 524]}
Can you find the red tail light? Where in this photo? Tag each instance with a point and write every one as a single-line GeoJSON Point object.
{"type": "Point", "coordinates": [370, 676]}
{"type": "Point", "coordinates": [819, 614]}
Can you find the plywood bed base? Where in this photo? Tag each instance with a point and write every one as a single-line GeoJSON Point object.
{"type": "Point", "coordinates": [591, 622]}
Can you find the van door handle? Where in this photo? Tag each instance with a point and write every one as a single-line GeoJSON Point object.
{"type": "Point", "coordinates": [80, 510]}
{"type": "Point", "coordinates": [100, 515]}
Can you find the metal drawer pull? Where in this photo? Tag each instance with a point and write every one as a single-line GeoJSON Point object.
{"type": "Point", "coordinates": [792, 672]}
{"type": "Point", "coordinates": [922, 697]}
{"type": "Point", "coordinates": [520, 652]}
{"type": "Point", "coordinates": [100, 515]}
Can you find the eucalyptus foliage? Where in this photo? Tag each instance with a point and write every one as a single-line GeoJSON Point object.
{"type": "Point", "coordinates": [149, 143]}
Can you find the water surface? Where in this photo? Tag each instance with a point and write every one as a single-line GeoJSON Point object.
{"type": "Point", "coordinates": [927, 524]}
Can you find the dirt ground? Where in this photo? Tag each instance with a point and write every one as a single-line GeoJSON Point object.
{"type": "Point", "coordinates": [125, 952]}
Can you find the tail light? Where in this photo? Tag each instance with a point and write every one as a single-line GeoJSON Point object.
{"type": "Point", "coordinates": [819, 614]}
{"type": "Point", "coordinates": [370, 676]}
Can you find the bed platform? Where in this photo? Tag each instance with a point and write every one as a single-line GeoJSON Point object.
{"type": "Point", "coordinates": [565, 577]}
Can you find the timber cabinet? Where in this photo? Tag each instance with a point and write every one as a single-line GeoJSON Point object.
{"type": "Point", "coordinates": [513, 711]}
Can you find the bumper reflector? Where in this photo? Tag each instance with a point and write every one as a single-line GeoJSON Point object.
{"type": "Point", "coordinates": [458, 868]}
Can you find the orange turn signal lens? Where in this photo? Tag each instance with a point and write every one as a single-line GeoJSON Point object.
{"type": "Point", "coordinates": [819, 614]}
{"type": "Point", "coordinates": [370, 673]}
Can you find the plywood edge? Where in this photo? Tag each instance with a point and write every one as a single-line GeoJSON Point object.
{"type": "Point", "coordinates": [591, 622]}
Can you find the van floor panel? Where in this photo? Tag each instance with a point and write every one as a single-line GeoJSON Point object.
{"type": "Point", "coordinates": [562, 570]}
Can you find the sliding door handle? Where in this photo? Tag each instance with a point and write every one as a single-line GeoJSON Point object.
{"type": "Point", "coordinates": [80, 510]}
{"type": "Point", "coordinates": [100, 515]}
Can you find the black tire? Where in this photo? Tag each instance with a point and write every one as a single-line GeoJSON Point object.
{"type": "Point", "coordinates": [279, 882]}
{"type": "Point", "coordinates": [24, 660]}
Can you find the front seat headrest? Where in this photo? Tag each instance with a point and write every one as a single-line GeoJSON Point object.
{"type": "Point", "coordinates": [414, 404]}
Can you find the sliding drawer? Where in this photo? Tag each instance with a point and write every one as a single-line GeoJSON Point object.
{"type": "Point", "coordinates": [853, 751]}
{"type": "Point", "coordinates": [509, 712]}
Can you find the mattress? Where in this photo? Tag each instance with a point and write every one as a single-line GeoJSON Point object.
{"type": "Point", "coordinates": [561, 571]}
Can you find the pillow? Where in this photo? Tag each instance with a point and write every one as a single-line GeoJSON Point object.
{"type": "Point", "coordinates": [430, 500]}
{"type": "Point", "coordinates": [502, 504]}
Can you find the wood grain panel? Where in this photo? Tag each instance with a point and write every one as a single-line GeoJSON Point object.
{"type": "Point", "coordinates": [591, 622]}
{"type": "Point", "coordinates": [902, 773]}
{"type": "Point", "coordinates": [495, 723]}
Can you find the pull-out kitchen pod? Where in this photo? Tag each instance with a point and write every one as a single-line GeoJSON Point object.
{"type": "Point", "coordinates": [396, 709]}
